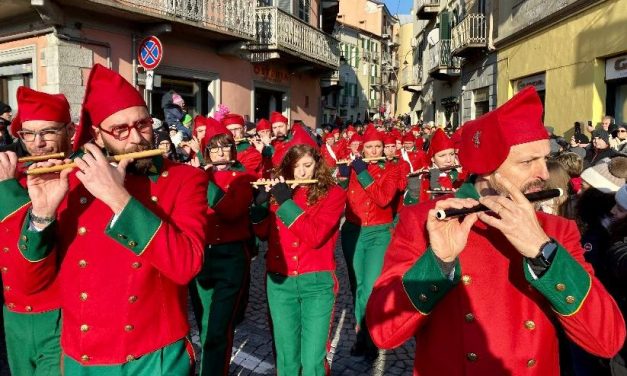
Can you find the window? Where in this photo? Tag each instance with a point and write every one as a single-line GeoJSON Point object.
{"type": "Point", "coordinates": [481, 101]}
{"type": "Point", "coordinates": [304, 10]}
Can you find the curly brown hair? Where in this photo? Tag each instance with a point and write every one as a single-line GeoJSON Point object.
{"type": "Point", "coordinates": [322, 172]}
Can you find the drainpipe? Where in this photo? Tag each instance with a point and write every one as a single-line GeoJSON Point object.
{"type": "Point", "coordinates": [88, 41]}
{"type": "Point", "coordinates": [27, 34]}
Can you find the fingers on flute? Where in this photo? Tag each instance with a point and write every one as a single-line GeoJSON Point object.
{"type": "Point", "coordinates": [95, 153]}
{"type": "Point", "coordinates": [456, 203]}
{"type": "Point", "coordinates": [469, 221]}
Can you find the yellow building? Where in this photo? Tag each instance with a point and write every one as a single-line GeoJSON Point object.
{"type": "Point", "coordinates": [406, 61]}
{"type": "Point", "coordinates": [578, 65]}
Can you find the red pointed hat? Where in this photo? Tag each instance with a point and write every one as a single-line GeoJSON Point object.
{"type": "Point", "coordinates": [277, 117]}
{"type": "Point", "coordinates": [105, 94]}
{"type": "Point", "coordinates": [35, 105]}
{"type": "Point", "coordinates": [299, 137]}
{"type": "Point", "coordinates": [229, 119]}
{"type": "Point", "coordinates": [415, 128]}
{"type": "Point", "coordinates": [486, 141]}
{"type": "Point", "coordinates": [409, 137]}
{"type": "Point", "coordinates": [214, 128]}
{"type": "Point", "coordinates": [439, 142]}
{"type": "Point", "coordinates": [389, 139]}
{"type": "Point", "coordinates": [350, 128]}
{"type": "Point", "coordinates": [456, 137]}
{"type": "Point", "coordinates": [371, 134]}
{"type": "Point", "coordinates": [199, 121]}
{"type": "Point", "coordinates": [356, 137]}
{"type": "Point", "coordinates": [263, 125]}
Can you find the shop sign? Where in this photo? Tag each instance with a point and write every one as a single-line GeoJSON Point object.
{"type": "Point", "coordinates": [616, 68]}
{"type": "Point", "coordinates": [271, 74]}
{"type": "Point", "coordinates": [538, 81]}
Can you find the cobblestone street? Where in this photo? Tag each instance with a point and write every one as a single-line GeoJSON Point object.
{"type": "Point", "coordinates": [252, 346]}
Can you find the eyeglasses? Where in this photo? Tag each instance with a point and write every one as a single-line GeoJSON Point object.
{"type": "Point", "coordinates": [121, 132]}
{"type": "Point", "coordinates": [45, 134]}
{"type": "Point", "coordinates": [225, 149]}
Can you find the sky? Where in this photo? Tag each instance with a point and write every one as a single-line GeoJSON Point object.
{"type": "Point", "coordinates": [399, 6]}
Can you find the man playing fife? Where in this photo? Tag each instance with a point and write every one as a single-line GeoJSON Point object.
{"type": "Point", "coordinates": [31, 318]}
{"type": "Point", "coordinates": [128, 238]}
{"type": "Point", "coordinates": [522, 272]}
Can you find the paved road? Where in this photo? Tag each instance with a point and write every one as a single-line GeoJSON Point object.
{"type": "Point", "coordinates": [252, 348]}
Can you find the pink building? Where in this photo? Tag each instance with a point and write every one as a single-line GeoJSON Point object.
{"type": "Point", "coordinates": [255, 56]}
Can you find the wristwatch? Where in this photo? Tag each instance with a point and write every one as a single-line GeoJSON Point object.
{"type": "Point", "coordinates": [542, 261]}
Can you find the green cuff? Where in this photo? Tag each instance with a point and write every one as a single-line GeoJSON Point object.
{"type": "Point", "coordinates": [565, 284]}
{"type": "Point", "coordinates": [343, 183]}
{"type": "Point", "coordinates": [267, 151]}
{"type": "Point", "coordinates": [289, 212]}
{"type": "Point", "coordinates": [258, 213]}
{"type": "Point", "coordinates": [135, 227]}
{"type": "Point", "coordinates": [426, 285]}
{"type": "Point", "coordinates": [365, 179]}
{"type": "Point", "coordinates": [36, 245]}
{"type": "Point", "coordinates": [14, 197]}
{"type": "Point", "coordinates": [214, 194]}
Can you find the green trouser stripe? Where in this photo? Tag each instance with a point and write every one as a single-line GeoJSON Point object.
{"type": "Point", "coordinates": [215, 293]}
{"type": "Point", "coordinates": [301, 309]}
{"type": "Point", "coordinates": [172, 360]}
{"type": "Point", "coordinates": [364, 249]}
{"type": "Point", "coordinates": [33, 346]}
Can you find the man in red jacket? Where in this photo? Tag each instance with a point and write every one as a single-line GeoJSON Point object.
{"type": "Point", "coordinates": [31, 320]}
{"type": "Point", "coordinates": [128, 239]}
{"type": "Point", "coordinates": [483, 294]}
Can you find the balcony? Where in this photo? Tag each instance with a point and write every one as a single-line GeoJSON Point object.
{"type": "Point", "coordinates": [373, 104]}
{"type": "Point", "coordinates": [281, 35]}
{"type": "Point", "coordinates": [470, 34]}
{"type": "Point", "coordinates": [228, 19]}
{"type": "Point", "coordinates": [331, 80]}
{"type": "Point", "coordinates": [366, 55]}
{"type": "Point", "coordinates": [443, 65]}
{"type": "Point", "coordinates": [343, 101]}
{"type": "Point", "coordinates": [411, 79]}
{"type": "Point", "coordinates": [427, 9]}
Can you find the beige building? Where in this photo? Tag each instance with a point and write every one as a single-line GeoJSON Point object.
{"type": "Point", "coordinates": [406, 40]}
{"type": "Point", "coordinates": [368, 43]}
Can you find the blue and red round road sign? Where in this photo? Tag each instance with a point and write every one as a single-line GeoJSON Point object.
{"type": "Point", "coordinates": [150, 52]}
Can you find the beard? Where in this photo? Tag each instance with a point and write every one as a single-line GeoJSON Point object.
{"type": "Point", "coordinates": [526, 188]}
{"type": "Point", "coordinates": [138, 166]}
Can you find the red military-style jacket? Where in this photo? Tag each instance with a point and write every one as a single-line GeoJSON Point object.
{"type": "Point", "coordinates": [250, 157]}
{"type": "Point", "coordinates": [418, 159]}
{"type": "Point", "coordinates": [370, 194]}
{"type": "Point", "coordinates": [229, 196]}
{"type": "Point", "coordinates": [18, 296]}
{"type": "Point", "coordinates": [491, 317]}
{"type": "Point", "coordinates": [401, 183]}
{"type": "Point", "coordinates": [302, 238]}
{"type": "Point", "coordinates": [330, 159]}
{"type": "Point", "coordinates": [123, 280]}
{"type": "Point", "coordinates": [448, 180]}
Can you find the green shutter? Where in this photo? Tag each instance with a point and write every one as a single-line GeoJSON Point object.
{"type": "Point", "coordinates": [356, 57]}
{"type": "Point", "coordinates": [445, 26]}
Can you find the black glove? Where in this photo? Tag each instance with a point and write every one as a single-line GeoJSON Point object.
{"type": "Point", "coordinates": [344, 170]}
{"type": "Point", "coordinates": [281, 192]}
{"type": "Point", "coordinates": [359, 165]}
{"type": "Point", "coordinates": [261, 196]}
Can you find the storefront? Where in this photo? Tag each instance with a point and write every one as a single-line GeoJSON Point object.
{"type": "Point", "coordinates": [616, 80]}
{"type": "Point", "coordinates": [538, 81]}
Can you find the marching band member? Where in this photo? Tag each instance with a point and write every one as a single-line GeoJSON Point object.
{"type": "Point", "coordinates": [301, 227]}
{"type": "Point", "coordinates": [366, 233]}
{"type": "Point", "coordinates": [416, 158]}
{"type": "Point", "coordinates": [487, 294]}
{"type": "Point", "coordinates": [128, 238]}
{"type": "Point", "coordinates": [328, 151]}
{"type": "Point", "coordinates": [443, 161]}
{"type": "Point", "coordinates": [219, 288]}
{"type": "Point", "coordinates": [247, 154]}
{"type": "Point", "coordinates": [31, 319]}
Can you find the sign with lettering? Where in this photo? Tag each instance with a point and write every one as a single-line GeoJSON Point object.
{"type": "Point", "coordinates": [616, 68]}
{"type": "Point", "coordinates": [271, 74]}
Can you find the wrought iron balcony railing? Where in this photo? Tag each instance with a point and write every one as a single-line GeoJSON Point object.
{"type": "Point", "coordinates": [442, 62]}
{"type": "Point", "coordinates": [234, 17]}
{"type": "Point", "coordinates": [411, 77]}
{"type": "Point", "coordinates": [281, 32]}
{"type": "Point", "coordinates": [427, 9]}
{"type": "Point", "coordinates": [469, 33]}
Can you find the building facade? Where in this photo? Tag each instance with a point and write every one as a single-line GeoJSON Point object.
{"type": "Point", "coordinates": [255, 56]}
{"type": "Point", "coordinates": [368, 36]}
{"type": "Point", "coordinates": [573, 52]}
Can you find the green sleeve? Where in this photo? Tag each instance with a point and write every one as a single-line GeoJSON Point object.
{"type": "Point", "coordinates": [289, 212]}
{"type": "Point", "coordinates": [14, 197]}
{"type": "Point", "coordinates": [267, 151]}
{"type": "Point", "coordinates": [214, 194]}
{"type": "Point", "coordinates": [425, 284]}
{"type": "Point", "coordinates": [365, 179]}
{"type": "Point", "coordinates": [36, 245]}
{"type": "Point", "coordinates": [565, 283]}
{"type": "Point", "coordinates": [343, 183]}
{"type": "Point", "coordinates": [135, 227]}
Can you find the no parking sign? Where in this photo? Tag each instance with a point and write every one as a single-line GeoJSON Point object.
{"type": "Point", "coordinates": [150, 52]}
